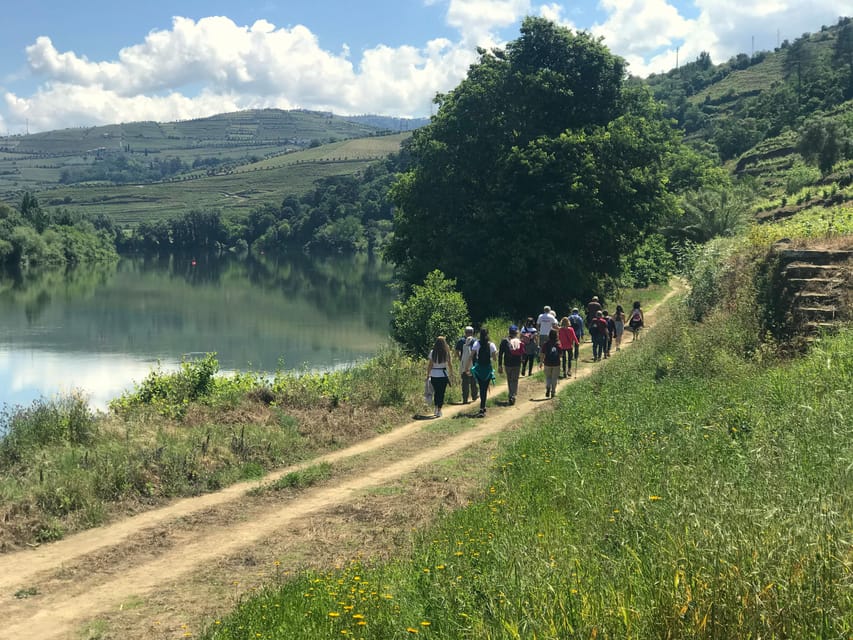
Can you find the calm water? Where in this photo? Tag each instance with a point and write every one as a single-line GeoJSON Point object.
{"type": "Point", "coordinates": [101, 330]}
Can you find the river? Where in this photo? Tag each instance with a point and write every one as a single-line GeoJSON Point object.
{"type": "Point", "coordinates": [100, 330]}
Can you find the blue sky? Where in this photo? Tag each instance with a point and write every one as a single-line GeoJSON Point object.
{"type": "Point", "coordinates": [66, 64]}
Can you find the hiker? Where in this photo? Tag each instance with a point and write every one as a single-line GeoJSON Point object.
{"type": "Point", "coordinates": [531, 346]}
{"type": "Point", "coordinates": [598, 333]}
{"type": "Point", "coordinates": [485, 355]}
{"type": "Point", "coordinates": [568, 341]}
{"type": "Point", "coordinates": [544, 323]}
{"type": "Point", "coordinates": [577, 324]}
{"type": "Point", "coordinates": [439, 371]}
{"type": "Point", "coordinates": [610, 333]}
{"type": "Point", "coordinates": [636, 320]}
{"type": "Point", "coordinates": [592, 308]}
{"type": "Point", "coordinates": [510, 354]}
{"type": "Point", "coordinates": [463, 352]}
{"type": "Point", "coordinates": [619, 325]}
{"type": "Point", "coordinates": [551, 362]}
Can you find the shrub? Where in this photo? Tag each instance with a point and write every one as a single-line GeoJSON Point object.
{"type": "Point", "coordinates": [650, 263]}
{"type": "Point", "coordinates": [45, 422]}
{"type": "Point", "coordinates": [171, 393]}
{"type": "Point", "coordinates": [433, 309]}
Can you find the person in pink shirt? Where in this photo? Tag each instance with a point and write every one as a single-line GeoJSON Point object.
{"type": "Point", "coordinates": [568, 339]}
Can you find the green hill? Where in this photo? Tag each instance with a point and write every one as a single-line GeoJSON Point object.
{"type": "Point", "coordinates": [780, 121]}
{"type": "Point", "coordinates": [148, 170]}
{"type": "Point", "coordinates": [232, 188]}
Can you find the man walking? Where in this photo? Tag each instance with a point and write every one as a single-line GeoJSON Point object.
{"type": "Point", "coordinates": [577, 324]}
{"type": "Point", "coordinates": [544, 323]}
{"type": "Point", "coordinates": [466, 359]}
{"type": "Point", "coordinates": [592, 308]}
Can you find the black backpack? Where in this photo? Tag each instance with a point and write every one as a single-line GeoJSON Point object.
{"type": "Point", "coordinates": [552, 354]}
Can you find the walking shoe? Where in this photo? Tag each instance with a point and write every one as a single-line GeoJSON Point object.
{"type": "Point", "coordinates": [512, 401]}
{"type": "Point", "coordinates": [438, 413]}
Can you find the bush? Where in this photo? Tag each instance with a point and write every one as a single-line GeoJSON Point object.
{"type": "Point", "coordinates": [650, 263]}
{"type": "Point", "coordinates": [45, 422]}
{"type": "Point", "coordinates": [171, 393]}
{"type": "Point", "coordinates": [434, 309]}
{"type": "Point", "coordinates": [705, 272]}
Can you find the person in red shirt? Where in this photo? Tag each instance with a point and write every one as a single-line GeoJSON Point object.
{"type": "Point", "coordinates": [568, 340]}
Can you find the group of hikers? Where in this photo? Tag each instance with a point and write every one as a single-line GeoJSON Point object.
{"type": "Point", "coordinates": [550, 342]}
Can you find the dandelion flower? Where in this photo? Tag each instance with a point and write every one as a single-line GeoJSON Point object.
{"type": "Point", "coordinates": [412, 630]}
{"type": "Point", "coordinates": [654, 498]}
{"type": "Point", "coordinates": [425, 623]}
{"type": "Point", "coordinates": [334, 614]}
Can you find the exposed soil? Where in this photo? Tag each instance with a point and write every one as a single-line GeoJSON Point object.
{"type": "Point", "coordinates": [168, 572]}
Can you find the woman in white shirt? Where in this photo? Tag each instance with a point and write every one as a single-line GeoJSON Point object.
{"type": "Point", "coordinates": [439, 371]}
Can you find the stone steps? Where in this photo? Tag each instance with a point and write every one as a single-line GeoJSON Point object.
{"type": "Point", "coordinates": [815, 290]}
{"type": "Point", "coordinates": [802, 270]}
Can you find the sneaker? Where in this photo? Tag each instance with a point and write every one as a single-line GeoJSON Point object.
{"type": "Point", "coordinates": [438, 413]}
{"type": "Point", "coordinates": [512, 401]}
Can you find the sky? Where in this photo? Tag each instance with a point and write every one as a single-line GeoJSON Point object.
{"type": "Point", "coordinates": [71, 64]}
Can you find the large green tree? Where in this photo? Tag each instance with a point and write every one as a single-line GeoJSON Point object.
{"type": "Point", "coordinates": [538, 172]}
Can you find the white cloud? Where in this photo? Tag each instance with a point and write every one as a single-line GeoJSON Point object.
{"type": "Point", "coordinates": [240, 67]}
{"type": "Point", "coordinates": [477, 20]}
{"type": "Point", "coordinates": [198, 68]}
{"type": "Point", "coordinates": [554, 13]}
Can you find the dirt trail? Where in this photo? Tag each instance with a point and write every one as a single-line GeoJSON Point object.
{"type": "Point", "coordinates": [96, 573]}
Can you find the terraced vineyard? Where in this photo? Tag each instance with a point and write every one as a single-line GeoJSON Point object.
{"type": "Point", "coordinates": [252, 158]}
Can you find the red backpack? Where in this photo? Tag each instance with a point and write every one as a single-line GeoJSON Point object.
{"type": "Point", "coordinates": [516, 347]}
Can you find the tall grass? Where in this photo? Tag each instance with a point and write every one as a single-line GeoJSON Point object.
{"type": "Point", "coordinates": [184, 433]}
{"type": "Point", "coordinates": [692, 492]}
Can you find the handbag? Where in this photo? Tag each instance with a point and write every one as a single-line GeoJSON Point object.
{"type": "Point", "coordinates": [429, 392]}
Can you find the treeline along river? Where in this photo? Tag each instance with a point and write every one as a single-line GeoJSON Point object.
{"type": "Point", "coordinates": [100, 329]}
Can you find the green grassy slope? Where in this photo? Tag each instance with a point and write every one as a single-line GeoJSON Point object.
{"type": "Point", "coordinates": [278, 168]}
{"type": "Point", "coordinates": [36, 162]}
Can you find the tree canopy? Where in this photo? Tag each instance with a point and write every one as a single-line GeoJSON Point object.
{"type": "Point", "coordinates": [538, 172]}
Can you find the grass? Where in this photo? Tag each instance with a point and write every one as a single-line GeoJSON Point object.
{"type": "Point", "coordinates": [63, 468]}
{"type": "Point", "coordinates": [301, 479]}
{"type": "Point", "coordinates": [689, 493]}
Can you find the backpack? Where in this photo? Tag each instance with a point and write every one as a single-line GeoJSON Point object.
{"type": "Point", "coordinates": [577, 325]}
{"type": "Point", "coordinates": [515, 346]}
{"type": "Point", "coordinates": [552, 355]}
{"type": "Point", "coordinates": [636, 319]}
{"type": "Point", "coordinates": [467, 358]}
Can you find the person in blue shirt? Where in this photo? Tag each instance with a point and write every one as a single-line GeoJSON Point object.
{"type": "Point", "coordinates": [577, 324]}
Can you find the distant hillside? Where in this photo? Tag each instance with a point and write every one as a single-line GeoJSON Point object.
{"type": "Point", "coordinates": [781, 120]}
{"type": "Point", "coordinates": [150, 151]}
{"type": "Point", "coordinates": [736, 105]}
{"type": "Point", "coordinates": [390, 124]}
{"type": "Point", "coordinates": [231, 188]}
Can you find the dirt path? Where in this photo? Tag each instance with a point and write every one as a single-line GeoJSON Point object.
{"type": "Point", "coordinates": [163, 573]}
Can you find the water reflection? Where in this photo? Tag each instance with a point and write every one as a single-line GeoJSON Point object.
{"type": "Point", "coordinates": [101, 329]}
